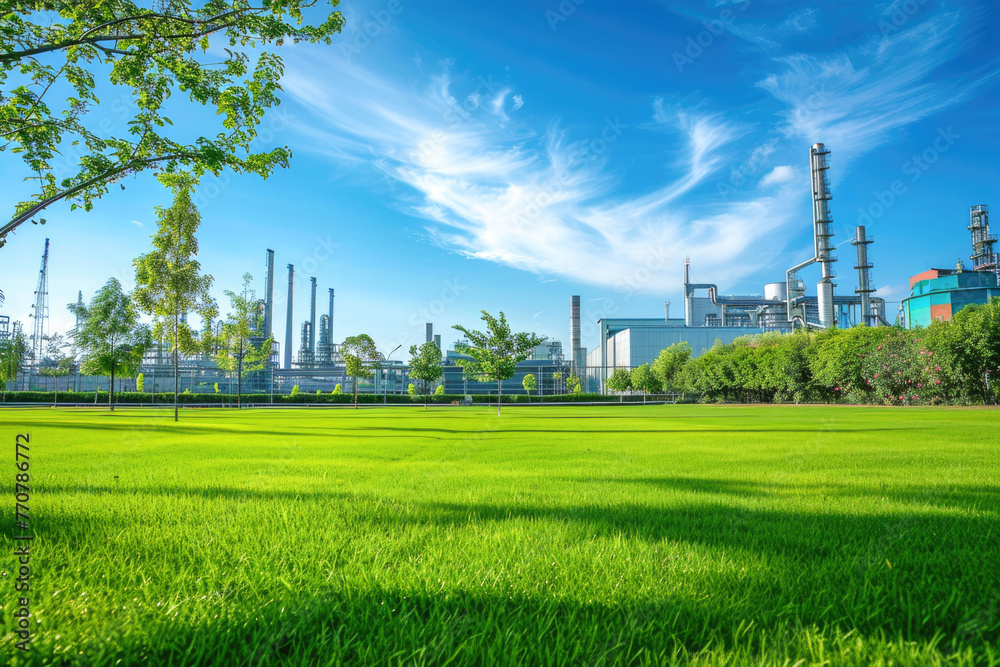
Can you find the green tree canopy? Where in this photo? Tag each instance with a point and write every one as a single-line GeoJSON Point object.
{"type": "Point", "coordinates": [497, 351]}
{"type": "Point", "coordinates": [169, 284]}
{"type": "Point", "coordinates": [13, 351]}
{"type": "Point", "coordinates": [54, 52]}
{"type": "Point", "coordinates": [361, 357]}
{"type": "Point", "coordinates": [645, 380]}
{"type": "Point", "coordinates": [667, 367]}
{"type": "Point", "coordinates": [425, 363]}
{"type": "Point", "coordinates": [240, 347]}
{"type": "Point", "coordinates": [529, 382]}
{"type": "Point", "coordinates": [620, 381]}
{"type": "Point", "coordinates": [110, 336]}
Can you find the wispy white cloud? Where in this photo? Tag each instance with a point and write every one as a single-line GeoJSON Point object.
{"type": "Point", "coordinates": [779, 175]}
{"type": "Point", "coordinates": [492, 186]}
{"type": "Point", "coordinates": [856, 101]}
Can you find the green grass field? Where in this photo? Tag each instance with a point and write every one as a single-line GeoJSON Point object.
{"type": "Point", "coordinates": [553, 535]}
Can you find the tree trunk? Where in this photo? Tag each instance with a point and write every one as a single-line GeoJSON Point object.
{"type": "Point", "coordinates": [176, 371]}
{"type": "Point", "coordinates": [239, 379]}
{"type": "Point", "coordinates": [111, 389]}
{"type": "Point", "coordinates": [355, 392]}
{"type": "Point", "coordinates": [499, 392]}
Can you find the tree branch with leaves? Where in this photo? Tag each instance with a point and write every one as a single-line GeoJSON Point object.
{"type": "Point", "coordinates": [151, 54]}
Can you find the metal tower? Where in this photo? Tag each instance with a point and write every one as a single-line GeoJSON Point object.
{"type": "Point", "coordinates": [40, 311]}
{"type": "Point", "coordinates": [864, 268]}
{"type": "Point", "coordinates": [823, 231]}
{"type": "Point", "coordinates": [983, 257]}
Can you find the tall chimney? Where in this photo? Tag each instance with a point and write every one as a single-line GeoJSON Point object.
{"type": "Point", "coordinates": [269, 296]}
{"type": "Point", "coordinates": [574, 336]}
{"type": "Point", "coordinates": [864, 275]}
{"type": "Point", "coordinates": [330, 324]}
{"type": "Point", "coordinates": [429, 332]}
{"type": "Point", "coordinates": [288, 320]}
{"type": "Point", "coordinates": [312, 319]}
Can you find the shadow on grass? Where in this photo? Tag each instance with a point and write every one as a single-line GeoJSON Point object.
{"type": "Point", "coordinates": [325, 626]}
{"type": "Point", "coordinates": [914, 575]}
{"type": "Point", "coordinates": [964, 496]}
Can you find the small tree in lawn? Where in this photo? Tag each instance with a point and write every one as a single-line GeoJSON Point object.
{"type": "Point", "coordinates": [169, 284]}
{"type": "Point", "coordinates": [362, 359]}
{"type": "Point", "coordinates": [670, 363]}
{"type": "Point", "coordinates": [140, 383]}
{"type": "Point", "coordinates": [110, 337]}
{"type": "Point", "coordinates": [237, 350]}
{"type": "Point", "coordinates": [529, 383]}
{"type": "Point", "coordinates": [13, 351]}
{"type": "Point", "coordinates": [411, 389]}
{"type": "Point", "coordinates": [439, 391]}
{"type": "Point", "coordinates": [645, 380]}
{"type": "Point", "coordinates": [425, 364]}
{"type": "Point", "coordinates": [337, 391]}
{"type": "Point", "coordinates": [573, 384]}
{"type": "Point", "coordinates": [557, 376]}
{"type": "Point", "coordinates": [496, 352]}
{"type": "Point", "coordinates": [620, 381]}
{"type": "Point", "coordinates": [57, 363]}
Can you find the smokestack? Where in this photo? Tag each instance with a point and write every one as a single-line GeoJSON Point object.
{"type": "Point", "coordinates": [822, 232]}
{"type": "Point", "coordinates": [429, 332]}
{"type": "Point", "coordinates": [666, 312]}
{"type": "Point", "coordinates": [864, 274]}
{"type": "Point", "coordinates": [437, 341]}
{"type": "Point", "coordinates": [330, 322]}
{"type": "Point", "coordinates": [688, 294]}
{"type": "Point", "coordinates": [288, 320]}
{"type": "Point", "coordinates": [269, 296]}
{"type": "Point", "coordinates": [576, 360]}
{"type": "Point", "coordinates": [312, 319]}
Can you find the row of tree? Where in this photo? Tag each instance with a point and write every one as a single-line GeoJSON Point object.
{"type": "Point", "coordinates": [956, 362]}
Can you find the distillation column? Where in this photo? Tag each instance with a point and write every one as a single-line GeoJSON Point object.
{"type": "Point", "coordinates": [983, 257]}
{"type": "Point", "coordinates": [822, 231]}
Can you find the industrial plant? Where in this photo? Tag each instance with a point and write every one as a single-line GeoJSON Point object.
{"type": "Point", "coordinates": [784, 306]}
{"type": "Point", "coordinates": [623, 342]}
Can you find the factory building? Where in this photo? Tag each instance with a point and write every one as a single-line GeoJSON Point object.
{"type": "Point", "coordinates": [938, 294]}
{"type": "Point", "coordinates": [546, 363]}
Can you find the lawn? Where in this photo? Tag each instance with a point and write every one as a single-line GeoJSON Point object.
{"type": "Point", "coordinates": [552, 535]}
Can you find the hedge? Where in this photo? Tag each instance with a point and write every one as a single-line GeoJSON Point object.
{"type": "Point", "coordinates": [167, 398]}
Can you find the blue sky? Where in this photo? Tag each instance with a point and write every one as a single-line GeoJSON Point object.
{"type": "Point", "coordinates": [451, 157]}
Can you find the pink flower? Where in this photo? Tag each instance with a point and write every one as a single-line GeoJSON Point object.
{"type": "Point", "coordinates": [876, 375]}
{"type": "Point", "coordinates": [883, 366]}
{"type": "Point", "coordinates": [937, 381]}
{"type": "Point", "coordinates": [919, 385]}
{"type": "Point", "coordinates": [880, 347]}
{"type": "Point", "coordinates": [937, 368]}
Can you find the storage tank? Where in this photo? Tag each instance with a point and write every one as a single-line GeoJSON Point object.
{"type": "Point", "coordinates": [776, 292]}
